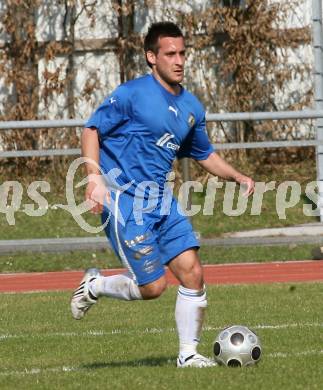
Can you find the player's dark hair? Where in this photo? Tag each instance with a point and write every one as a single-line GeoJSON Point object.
{"type": "Point", "coordinates": [159, 30]}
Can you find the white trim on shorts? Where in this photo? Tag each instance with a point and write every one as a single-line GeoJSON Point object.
{"type": "Point", "coordinates": [120, 250]}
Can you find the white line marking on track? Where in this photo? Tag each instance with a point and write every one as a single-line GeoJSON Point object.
{"type": "Point", "coordinates": [22, 274]}
{"type": "Point", "coordinates": [248, 263]}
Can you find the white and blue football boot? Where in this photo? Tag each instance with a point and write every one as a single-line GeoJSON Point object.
{"type": "Point", "coordinates": [196, 360]}
{"type": "Point", "coordinates": [82, 298]}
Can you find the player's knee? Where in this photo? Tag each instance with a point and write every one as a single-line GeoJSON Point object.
{"type": "Point", "coordinates": [194, 277]}
{"type": "Point", "coordinates": [154, 290]}
{"type": "Point", "coordinates": [197, 271]}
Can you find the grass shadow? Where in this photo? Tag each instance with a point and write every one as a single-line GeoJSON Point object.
{"type": "Point", "coordinates": [147, 362]}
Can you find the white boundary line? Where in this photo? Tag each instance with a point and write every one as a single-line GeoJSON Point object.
{"type": "Point", "coordinates": [100, 333]}
{"type": "Point", "coordinates": [39, 370]}
{"type": "Point", "coordinates": [66, 369]}
{"type": "Point", "coordinates": [118, 331]}
{"type": "Point", "coordinates": [295, 354]}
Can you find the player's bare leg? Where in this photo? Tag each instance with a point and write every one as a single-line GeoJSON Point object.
{"type": "Point", "coordinates": [190, 308]}
{"type": "Point", "coordinates": [153, 290]}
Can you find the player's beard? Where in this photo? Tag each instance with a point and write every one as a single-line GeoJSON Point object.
{"type": "Point", "coordinates": [170, 77]}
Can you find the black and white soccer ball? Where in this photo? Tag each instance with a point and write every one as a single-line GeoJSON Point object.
{"type": "Point", "coordinates": [237, 346]}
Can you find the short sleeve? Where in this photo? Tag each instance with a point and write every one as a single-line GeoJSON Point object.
{"type": "Point", "coordinates": [112, 113]}
{"type": "Point", "coordinates": [197, 144]}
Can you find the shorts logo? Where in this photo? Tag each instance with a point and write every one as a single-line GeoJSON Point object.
{"type": "Point", "coordinates": [143, 252]}
{"type": "Point", "coordinates": [136, 240]}
{"type": "Point", "coordinates": [149, 266]}
{"type": "Point", "coordinates": [165, 139]}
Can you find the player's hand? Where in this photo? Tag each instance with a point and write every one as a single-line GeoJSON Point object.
{"type": "Point", "coordinates": [97, 193]}
{"type": "Point", "coordinates": [246, 182]}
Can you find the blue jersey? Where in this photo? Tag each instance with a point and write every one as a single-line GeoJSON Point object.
{"type": "Point", "coordinates": [142, 128]}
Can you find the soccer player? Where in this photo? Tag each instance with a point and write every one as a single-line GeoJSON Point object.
{"type": "Point", "coordinates": [137, 132]}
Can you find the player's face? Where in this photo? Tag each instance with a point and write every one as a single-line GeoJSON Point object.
{"type": "Point", "coordinates": [168, 63]}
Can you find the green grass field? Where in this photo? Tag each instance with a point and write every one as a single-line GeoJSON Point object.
{"type": "Point", "coordinates": [129, 345]}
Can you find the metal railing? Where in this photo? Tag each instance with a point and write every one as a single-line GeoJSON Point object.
{"type": "Point", "coordinates": [227, 117]}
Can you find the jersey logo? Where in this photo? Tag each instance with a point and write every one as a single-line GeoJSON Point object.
{"type": "Point", "coordinates": [112, 100]}
{"type": "Point", "coordinates": [162, 140]}
{"type": "Point", "coordinates": [165, 140]}
{"type": "Point", "coordinates": [191, 120]}
{"type": "Point", "coordinates": [175, 111]}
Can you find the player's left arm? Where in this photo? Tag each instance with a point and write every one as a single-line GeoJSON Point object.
{"type": "Point", "coordinates": [217, 166]}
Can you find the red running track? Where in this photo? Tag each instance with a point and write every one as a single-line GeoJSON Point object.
{"type": "Point", "coordinates": [277, 272]}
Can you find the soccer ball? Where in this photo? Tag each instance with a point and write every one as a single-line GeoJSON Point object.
{"type": "Point", "coordinates": [237, 346]}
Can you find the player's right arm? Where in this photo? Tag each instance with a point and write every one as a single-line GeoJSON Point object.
{"type": "Point", "coordinates": [96, 192]}
{"type": "Point", "coordinates": [107, 118]}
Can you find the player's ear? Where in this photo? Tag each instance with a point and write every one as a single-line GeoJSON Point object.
{"type": "Point", "coordinates": [151, 57]}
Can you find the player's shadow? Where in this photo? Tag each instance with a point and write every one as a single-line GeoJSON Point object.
{"type": "Point", "coordinates": [148, 362]}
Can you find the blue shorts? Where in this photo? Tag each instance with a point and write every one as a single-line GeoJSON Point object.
{"type": "Point", "coordinates": [144, 249]}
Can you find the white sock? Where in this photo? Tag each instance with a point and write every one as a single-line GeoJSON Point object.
{"type": "Point", "coordinates": [117, 286]}
{"type": "Point", "coordinates": [189, 315]}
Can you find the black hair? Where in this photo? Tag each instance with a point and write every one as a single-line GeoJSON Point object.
{"type": "Point", "coordinates": [160, 30]}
